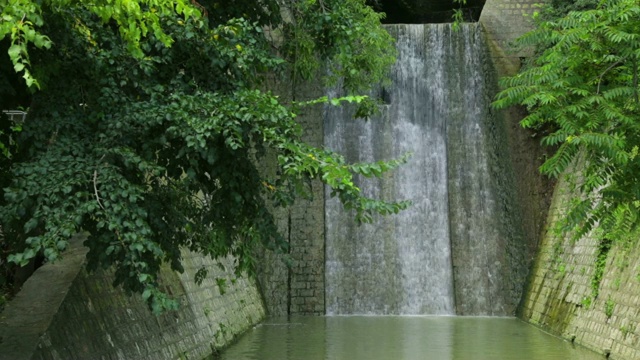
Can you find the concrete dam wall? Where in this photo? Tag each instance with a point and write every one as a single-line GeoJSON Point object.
{"type": "Point", "coordinates": [302, 289]}
{"type": "Point", "coordinates": [65, 313]}
{"type": "Point", "coordinates": [459, 248]}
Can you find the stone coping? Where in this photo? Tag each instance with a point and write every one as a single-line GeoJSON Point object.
{"type": "Point", "coordinates": [28, 315]}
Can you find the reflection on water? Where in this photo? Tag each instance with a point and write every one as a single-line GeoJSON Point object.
{"type": "Point", "coordinates": [401, 337]}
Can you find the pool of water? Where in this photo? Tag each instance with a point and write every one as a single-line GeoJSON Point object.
{"type": "Point", "coordinates": [401, 338]}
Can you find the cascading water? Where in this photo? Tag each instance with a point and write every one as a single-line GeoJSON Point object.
{"type": "Point", "coordinates": [448, 253]}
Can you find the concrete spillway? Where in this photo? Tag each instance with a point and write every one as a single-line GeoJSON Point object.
{"type": "Point", "coordinates": [450, 252]}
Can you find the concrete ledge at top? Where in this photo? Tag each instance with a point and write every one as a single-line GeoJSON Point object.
{"type": "Point", "coordinates": [504, 21]}
{"type": "Point", "coordinates": [29, 314]}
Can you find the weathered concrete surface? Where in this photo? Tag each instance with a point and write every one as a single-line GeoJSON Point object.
{"type": "Point", "coordinates": [560, 295]}
{"type": "Point", "coordinates": [300, 289]}
{"type": "Point", "coordinates": [65, 313]}
{"type": "Point", "coordinates": [504, 21]}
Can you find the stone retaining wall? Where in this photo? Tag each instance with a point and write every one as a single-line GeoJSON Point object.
{"type": "Point", "coordinates": [63, 312]}
{"type": "Point", "coordinates": [560, 297]}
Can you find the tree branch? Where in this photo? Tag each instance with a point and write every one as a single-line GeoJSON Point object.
{"type": "Point", "coordinates": [95, 189]}
{"type": "Point", "coordinates": [606, 71]}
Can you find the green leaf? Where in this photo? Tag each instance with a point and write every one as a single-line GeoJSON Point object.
{"type": "Point", "coordinates": [155, 150]}
{"type": "Point", "coordinates": [14, 52]}
{"type": "Point", "coordinates": [146, 294]}
{"type": "Point", "coordinates": [30, 225]}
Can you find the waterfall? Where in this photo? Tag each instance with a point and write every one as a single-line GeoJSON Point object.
{"type": "Point", "coordinates": [449, 252]}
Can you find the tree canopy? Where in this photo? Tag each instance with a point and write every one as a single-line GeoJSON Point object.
{"type": "Point", "coordinates": [581, 90]}
{"type": "Point", "coordinates": [148, 119]}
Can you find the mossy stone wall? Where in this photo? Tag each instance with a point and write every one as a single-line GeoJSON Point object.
{"type": "Point", "coordinates": [560, 297]}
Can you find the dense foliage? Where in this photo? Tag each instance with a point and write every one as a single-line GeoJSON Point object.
{"type": "Point", "coordinates": [582, 90]}
{"type": "Point", "coordinates": [151, 148]}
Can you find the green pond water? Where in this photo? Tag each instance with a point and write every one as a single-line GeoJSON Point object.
{"type": "Point", "coordinates": [401, 337]}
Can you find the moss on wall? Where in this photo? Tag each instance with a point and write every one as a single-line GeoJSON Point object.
{"type": "Point", "coordinates": [564, 298]}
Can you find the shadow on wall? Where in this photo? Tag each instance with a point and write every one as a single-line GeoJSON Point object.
{"type": "Point", "coordinates": [63, 312]}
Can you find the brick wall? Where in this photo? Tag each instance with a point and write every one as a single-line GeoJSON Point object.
{"type": "Point", "coordinates": [93, 320]}
{"type": "Point", "coordinates": [299, 288]}
{"type": "Point", "coordinates": [560, 298]}
{"type": "Point", "coordinates": [307, 226]}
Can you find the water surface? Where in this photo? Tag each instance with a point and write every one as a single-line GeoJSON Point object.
{"type": "Point", "coordinates": [401, 337]}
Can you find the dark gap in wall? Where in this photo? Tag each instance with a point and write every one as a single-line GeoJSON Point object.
{"type": "Point", "coordinates": [385, 96]}
{"type": "Point", "coordinates": [425, 11]}
{"type": "Point", "coordinates": [601, 262]}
